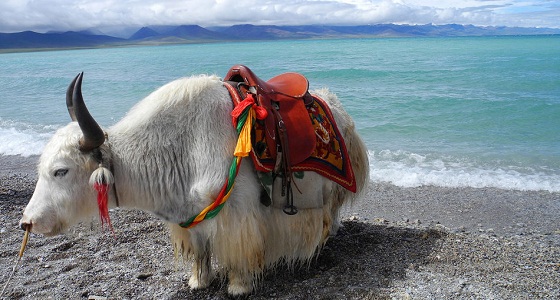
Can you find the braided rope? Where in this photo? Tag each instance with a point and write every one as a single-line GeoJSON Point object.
{"type": "Point", "coordinates": [244, 123]}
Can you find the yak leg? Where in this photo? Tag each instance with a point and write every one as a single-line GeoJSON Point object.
{"type": "Point", "coordinates": [339, 195]}
{"type": "Point", "coordinates": [197, 248]}
{"type": "Point", "coordinates": [239, 247]}
{"type": "Point", "coordinates": [201, 269]}
{"type": "Point", "coordinates": [332, 201]}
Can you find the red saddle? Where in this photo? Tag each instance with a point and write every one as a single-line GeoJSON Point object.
{"type": "Point", "coordinates": [287, 125]}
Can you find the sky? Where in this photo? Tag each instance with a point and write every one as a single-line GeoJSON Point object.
{"type": "Point", "coordinates": [114, 15]}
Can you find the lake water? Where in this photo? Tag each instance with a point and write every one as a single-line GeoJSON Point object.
{"type": "Point", "coordinates": [478, 112]}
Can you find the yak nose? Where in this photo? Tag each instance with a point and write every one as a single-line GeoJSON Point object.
{"type": "Point", "coordinates": [25, 224]}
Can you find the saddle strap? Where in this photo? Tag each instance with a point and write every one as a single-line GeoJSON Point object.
{"type": "Point", "coordinates": [286, 166]}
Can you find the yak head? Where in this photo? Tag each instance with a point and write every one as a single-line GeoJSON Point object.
{"type": "Point", "coordinates": [64, 195]}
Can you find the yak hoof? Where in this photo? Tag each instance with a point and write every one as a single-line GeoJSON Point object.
{"type": "Point", "coordinates": [197, 282]}
{"type": "Point", "coordinates": [239, 290]}
{"type": "Point", "coordinates": [238, 287]}
{"type": "Point", "coordinates": [335, 227]}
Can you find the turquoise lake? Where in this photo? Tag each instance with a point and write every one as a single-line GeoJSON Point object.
{"type": "Point", "coordinates": [468, 111]}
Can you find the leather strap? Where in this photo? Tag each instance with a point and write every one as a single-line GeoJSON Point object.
{"type": "Point", "coordinates": [283, 152]}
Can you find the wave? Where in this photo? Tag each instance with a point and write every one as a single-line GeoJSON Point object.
{"type": "Point", "coordinates": [23, 139]}
{"type": "Point", "coordinates": [407, 169]}
{"type": "Point", "coordinates": [401, 168]}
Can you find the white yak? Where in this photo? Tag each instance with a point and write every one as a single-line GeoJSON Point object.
{"type": "Point", "coordinates": [169, 156]}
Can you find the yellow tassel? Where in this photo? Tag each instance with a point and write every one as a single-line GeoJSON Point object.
{"type": "Point", "coordinates": [244, 141]}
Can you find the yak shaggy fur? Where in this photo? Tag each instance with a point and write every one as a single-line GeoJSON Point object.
{"type": "Point", "coordinates": [170, 155]}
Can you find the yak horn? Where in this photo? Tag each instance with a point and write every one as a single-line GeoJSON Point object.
{"type": "Point", "coordinates": [93, 134]}
{"type": "Point", "coordinates": [69, 94]}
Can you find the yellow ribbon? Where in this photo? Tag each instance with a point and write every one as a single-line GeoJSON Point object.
{"type": "Point", "coordinates": [244, 141]}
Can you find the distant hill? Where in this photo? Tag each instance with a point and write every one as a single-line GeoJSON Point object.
{"type": "Point", "coordinates": [381, 30]}
{"type": "Point", "coordinates": [266, 32]}
{"type": "Point", "coordinates": [183, 32]}
{"type": "Point", "coordinates": [144, 33]}
{"type": "Point", "coordinates": [195, 33]}
{"type": "Point", "coordinates": [70, 39]}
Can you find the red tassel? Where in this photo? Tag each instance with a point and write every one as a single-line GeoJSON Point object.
{"type": "Point", "coordinates": [102, 202]}
{"type": "Point", "coordinates": [240, 108]}
{"type": "Point", "coordinates": [261, 112]}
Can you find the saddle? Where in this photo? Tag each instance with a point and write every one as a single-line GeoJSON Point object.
{"type": "Point", "coordinates": [290, 135]}
{"type": "Point", "coordinates": [287, 125]}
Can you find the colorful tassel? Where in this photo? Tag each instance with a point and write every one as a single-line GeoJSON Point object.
{"type": "Point", "coordinates": [244, 144]}
{"type": "Point", "coordinates": [243, 116]}
{"type": "Point", "coordinates": [101, 179]}
{"type": "Point", "coordinates": [102, 203]}
{"type": "Point", "coordinates": [260, 112]}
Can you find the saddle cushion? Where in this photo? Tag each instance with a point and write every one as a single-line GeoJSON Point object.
{"type": "Point", "coordinates": [289, 84]}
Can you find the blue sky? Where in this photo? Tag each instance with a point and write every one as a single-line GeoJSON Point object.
{"type": "Point", "coordinates": [110, 16]}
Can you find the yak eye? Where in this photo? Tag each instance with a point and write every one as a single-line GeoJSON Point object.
{"type": "Point", "coordinates": [60, 172]}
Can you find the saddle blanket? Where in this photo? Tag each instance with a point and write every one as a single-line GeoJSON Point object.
{"type": "Point", "coordinates": [329, 158]}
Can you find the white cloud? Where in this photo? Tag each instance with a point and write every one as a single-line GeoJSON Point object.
{"type": "Point", "coordinates": [45, 15]}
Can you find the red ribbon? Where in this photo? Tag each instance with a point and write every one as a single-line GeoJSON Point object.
{"type": "Point", "coordinates": [260, 112]}
{"type": "Point", "coordinates": [102, 203]}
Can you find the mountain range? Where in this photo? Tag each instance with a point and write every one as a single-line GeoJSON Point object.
{"type": "Point", "coordinates": [155, 35]}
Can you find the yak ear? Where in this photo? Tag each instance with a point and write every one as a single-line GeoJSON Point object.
{"type": "Point", "coordinates": [93, 134]}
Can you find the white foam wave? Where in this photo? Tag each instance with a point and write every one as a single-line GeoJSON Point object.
{"type": "Point", "coordinates": [23, 140]}
{"type": "Point", "coordinates": [407, 169]}
{"type": "Point", "coordinates": [400, 168]}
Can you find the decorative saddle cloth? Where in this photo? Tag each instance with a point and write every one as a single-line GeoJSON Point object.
{"type": "Point", "coordinates": [307, 132]}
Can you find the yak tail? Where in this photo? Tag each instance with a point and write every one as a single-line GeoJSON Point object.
{"type": "Point", "coordinates": [358, 153]}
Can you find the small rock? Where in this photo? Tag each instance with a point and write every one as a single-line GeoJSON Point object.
{"type": "Point", "coordinates": [401, 296]}
{"type": "Point", "coordinates": [144, 276]}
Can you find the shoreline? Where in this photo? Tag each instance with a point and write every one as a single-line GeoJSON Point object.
{"type": "Point", "coordinates": [464, 209]}
{"type": "Point", "coordinates": [395, 243]}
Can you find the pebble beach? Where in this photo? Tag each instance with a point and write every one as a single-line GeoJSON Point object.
{"type": "Point", "coordinates": [397, 243]}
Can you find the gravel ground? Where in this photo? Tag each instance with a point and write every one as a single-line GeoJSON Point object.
{"type": "Point", "coordinates": [397, 243]}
